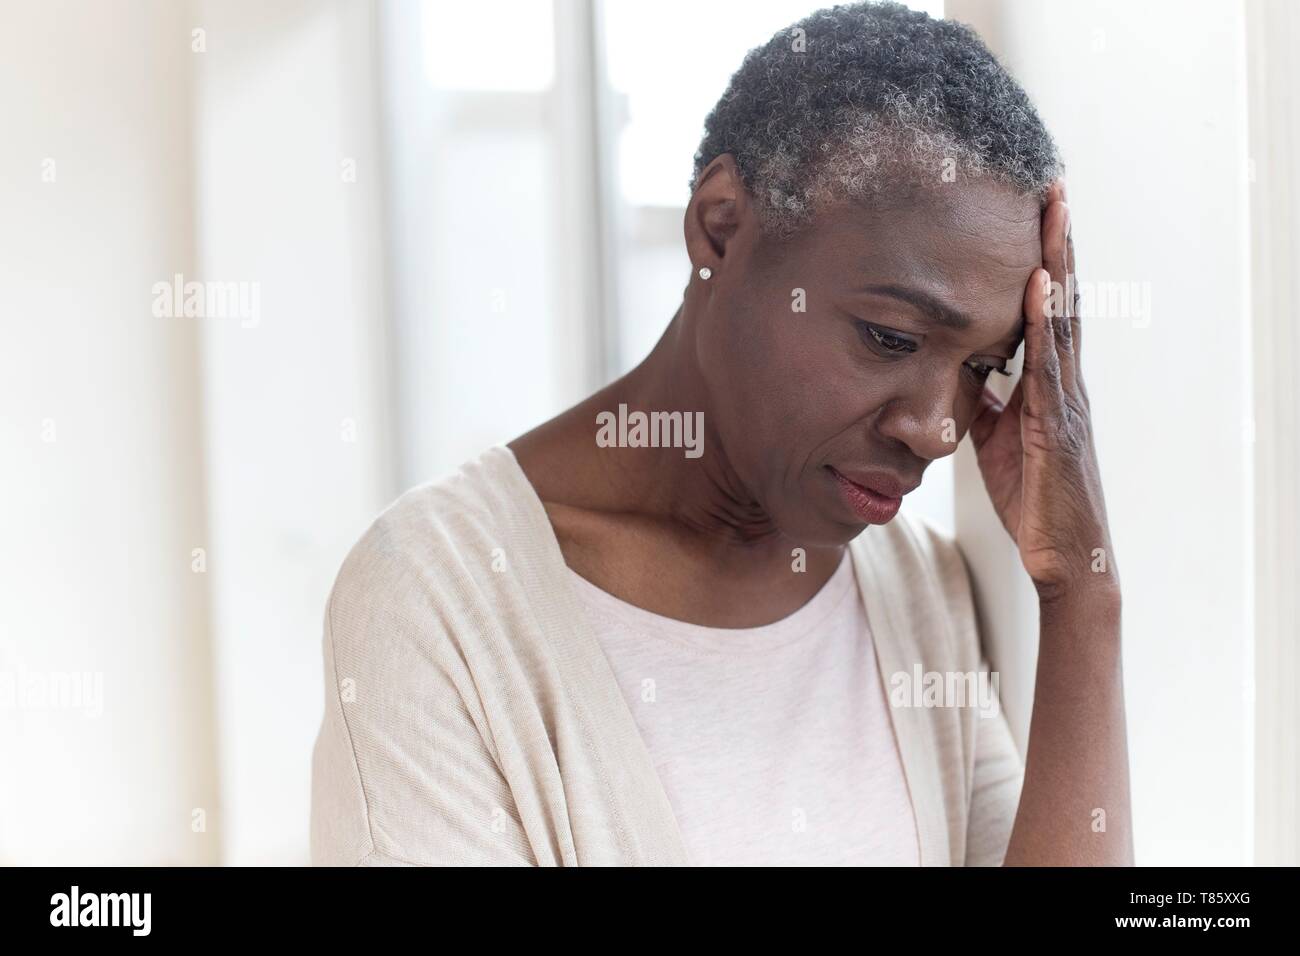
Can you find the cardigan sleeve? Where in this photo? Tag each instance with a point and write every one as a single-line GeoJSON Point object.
{"type": "Point", "coordinates": [995, 791]}
{"type": "Point", "coordinates": [995, 768]}
{"type": "Point", "coordinates": [997, 771]}
{"type": "Point", "coordinates": [401, 772]}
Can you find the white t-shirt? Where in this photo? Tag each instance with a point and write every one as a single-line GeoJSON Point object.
{"type": "Point", "coordinates": [774, 744]}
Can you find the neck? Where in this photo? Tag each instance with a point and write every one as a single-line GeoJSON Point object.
{"type": "Point", "coordinates": [703, 496]}
{"type": "Point", "coordinates": [682, 535]}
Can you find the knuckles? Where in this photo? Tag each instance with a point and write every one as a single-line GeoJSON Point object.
{"type": "Point", "coordinates": [1072, 434]}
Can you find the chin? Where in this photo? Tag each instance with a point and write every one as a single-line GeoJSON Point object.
{"type": "Point", "coordinates": [820, 528]}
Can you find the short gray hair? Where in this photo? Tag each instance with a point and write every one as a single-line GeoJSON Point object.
{"type": "Point", "coordinates": [857, 99]}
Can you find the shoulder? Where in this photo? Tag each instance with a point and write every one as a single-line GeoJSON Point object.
{"type": "Point", "coordinates": [420, 560]}
{"type": "Point", "coordinates": [942, 555]}
{"type": "Point", "coordinates": [919, 568]}
{"type": "Point", "coordinates": [406, 761]}
{"type": "Point", "coordinates": [923, 554]}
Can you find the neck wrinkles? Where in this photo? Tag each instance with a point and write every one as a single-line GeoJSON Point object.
{"type": "Point", "coordinates": [705, 495]}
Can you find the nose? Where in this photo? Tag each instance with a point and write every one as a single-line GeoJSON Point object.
{"type": "Point", "coordinates": [929, 418]}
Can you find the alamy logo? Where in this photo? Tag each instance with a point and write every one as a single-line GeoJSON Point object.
{"type": "Point", "coordinates": [651, 430]}
{"type": "Point", "coordinates": [208, 300]}
{"type": "Point", "coordinates": [52, 690]}
{"type": "Point", "coordinates": [102, 909]}
{"type": "Point", "coordinates": [947, 689]}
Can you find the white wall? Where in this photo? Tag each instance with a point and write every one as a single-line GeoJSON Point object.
{"type": "Point", "coordinates": [299, 453]}
{"type": "Point", "coordinates": [1148, 103]}
{"type": "Point", "coordinates": [1273, 34]}
{"type": "Point", "coordinates": [102, 480]}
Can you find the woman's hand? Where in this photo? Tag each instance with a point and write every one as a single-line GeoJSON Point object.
{"type": "Point", "coordinates": [1036, 453]}
{"type": "Point", "coordinates": [1040, 468]}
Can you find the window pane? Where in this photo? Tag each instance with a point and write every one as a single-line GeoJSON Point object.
{"type": "Point", "coordinates": [505, 45]}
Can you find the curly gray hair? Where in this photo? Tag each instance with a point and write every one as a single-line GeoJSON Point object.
{"type": "Point", "coordinates": [856, 100]}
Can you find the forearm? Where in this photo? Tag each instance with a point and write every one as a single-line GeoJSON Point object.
{"type": "Point", "coordinates": [1074, 804]}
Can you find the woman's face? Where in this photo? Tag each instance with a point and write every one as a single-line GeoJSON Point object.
{"type": "Point", "coordinates": [905, 312]}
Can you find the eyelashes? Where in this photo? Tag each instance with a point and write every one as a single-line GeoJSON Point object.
{"type": "Point", "coordinates": [885, 340]}
{"type": "Point", "coordinates": [894, 344]}
{"type": "Point", "coordinates": [983, 371]}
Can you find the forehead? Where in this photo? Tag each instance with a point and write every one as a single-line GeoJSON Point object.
{"type": "Point", "coordinates": [973, 245]}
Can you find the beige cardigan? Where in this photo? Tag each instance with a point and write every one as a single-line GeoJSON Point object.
{"type": "Point", "coordinates": [471, 716]}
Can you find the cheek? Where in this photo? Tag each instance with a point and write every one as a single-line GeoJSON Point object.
{"type": "Point", "coordinates": [919, 396]}
{"type": "Point", "coordinates": [830, 382]}
{"type": "Point", "coordinates": [783, 380]}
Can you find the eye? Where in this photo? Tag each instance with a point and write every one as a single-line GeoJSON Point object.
{"type": "Point", "coordinates": [982, 370]}
{"type": "Point", "coordinates": [885, 340]}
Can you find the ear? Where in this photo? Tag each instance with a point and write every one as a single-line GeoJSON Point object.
{"type": "Point", "coordinates": [719, 206]}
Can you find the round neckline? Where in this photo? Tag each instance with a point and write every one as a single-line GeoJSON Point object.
{"type": "Point", "coordinates": [800, 623]}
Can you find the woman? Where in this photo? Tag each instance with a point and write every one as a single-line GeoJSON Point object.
{"type": "Point", "coordinates": [620, 641]}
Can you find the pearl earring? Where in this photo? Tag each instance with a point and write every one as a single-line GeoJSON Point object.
{"type": "Point", "coordinates": [705, 272]}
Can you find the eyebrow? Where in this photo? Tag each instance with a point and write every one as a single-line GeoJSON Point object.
{"type": "Point", "coordinates": [936, 309]}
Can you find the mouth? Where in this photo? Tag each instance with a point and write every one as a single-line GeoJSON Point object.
{"type": "Point", "coordinates": [873, 498]}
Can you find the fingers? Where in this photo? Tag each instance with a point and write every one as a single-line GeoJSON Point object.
{"type": "Point", "coordinates": [1056, 256]}
{"type": "Point", "coordinates": [1076, 321]}
{"type": "Point", "coordinates": [1043, 392]}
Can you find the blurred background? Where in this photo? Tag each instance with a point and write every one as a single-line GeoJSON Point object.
{"type": "Point", "coordinates": [420, 227]}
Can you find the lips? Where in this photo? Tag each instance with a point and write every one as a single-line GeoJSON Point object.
{"type": "Point", "coordinates": [873, 497]}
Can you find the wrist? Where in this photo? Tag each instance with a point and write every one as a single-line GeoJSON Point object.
{"type": "Point", "coordinates": [1083, 620]}
{"type": "Point", "coordinates": [1095, 599]}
